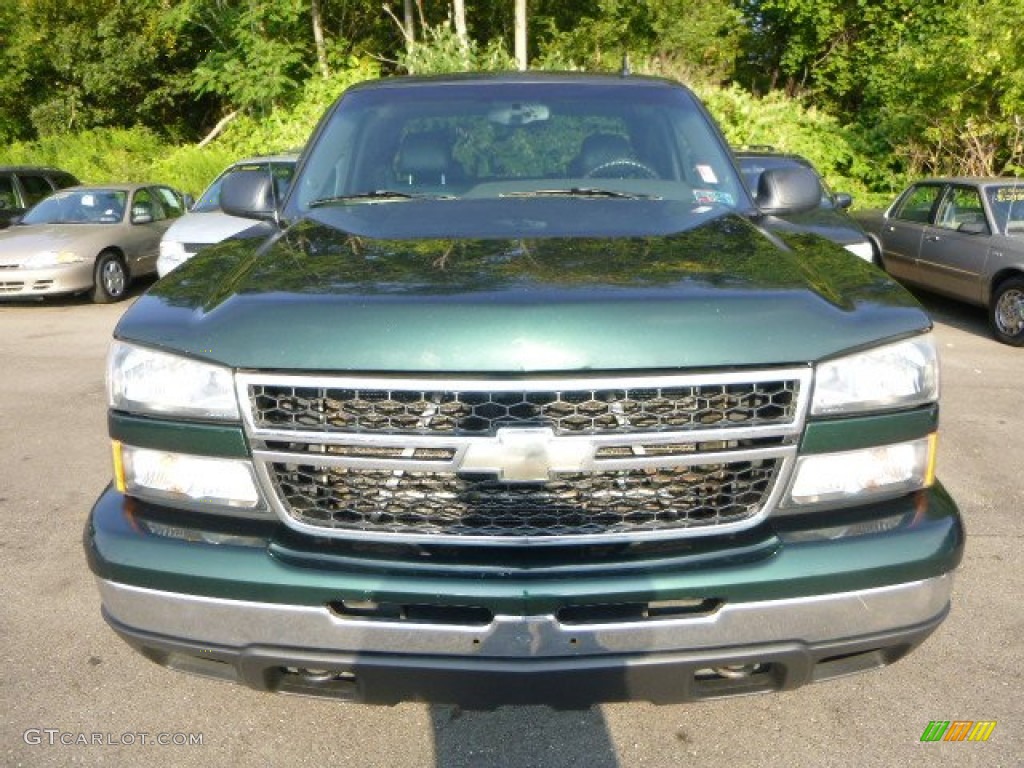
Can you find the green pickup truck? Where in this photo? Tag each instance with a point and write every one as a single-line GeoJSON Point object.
{"type": "Point", "coordinates": [514, 399]}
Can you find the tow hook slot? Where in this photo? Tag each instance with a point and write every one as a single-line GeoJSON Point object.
{"type": "Point", "coordinates": [369, 610]}
{"type": "Point", "coordinates": [656, 610]}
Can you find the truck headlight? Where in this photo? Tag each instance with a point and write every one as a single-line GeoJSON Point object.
{"type": "Point", "coordinates": [143, 380]}
{"type": "Point", "coordinates": [868, 473]}
{"type": "Point", "coordinates": [900, 375]}
{"type": "Point", "coordinates": [163, 476]}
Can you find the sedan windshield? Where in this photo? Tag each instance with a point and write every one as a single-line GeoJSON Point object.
{"type": "Point", "coordinates": [93, 206]}
{"type": "Point", "coordinates": [510, 141]}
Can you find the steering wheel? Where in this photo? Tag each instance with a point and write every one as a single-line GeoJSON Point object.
{"type": "Point", "coordinates": [627, 169]}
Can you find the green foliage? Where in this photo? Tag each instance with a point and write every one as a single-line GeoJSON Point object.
{"type": "Point", "coordinates": [95, 156]}
{"type": "Point", "coordinates": [959, 92]}
{"type": "Point", "coordinates": [258, 60]}
{"type": "Point", "coordinates": [706, 35]}
{"type": "Point", "coordinates": [288, 128]}
{"type": "Point", "coordinates": [440, 50]}
{"type": "Point", "coordinates": [72, 66]}
{"type": "Point", "coordinates": [139, 154]}
{"type": "Point", "coordinates": [936, 87]}
{"type": "Point", "coordinates": [840, 153]}
{"type": "Point", "coordinates": [190, 168]}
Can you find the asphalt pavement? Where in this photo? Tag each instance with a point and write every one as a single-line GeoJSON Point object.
{"type": "Point", "coordinates": [72, 693]}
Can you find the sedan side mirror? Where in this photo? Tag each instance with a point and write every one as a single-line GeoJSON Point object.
{"type": "Point", "coordinates": [783, 191]}
{"type": "Point", "coordinates": [248, 194]}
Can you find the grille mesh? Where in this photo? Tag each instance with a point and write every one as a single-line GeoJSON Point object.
{"type": "Point", "coordinates": [593, 411]}
{"type": "Point", "coordinates": [440, 459]}
{"type": "Point", "coordinates": [621, 501]}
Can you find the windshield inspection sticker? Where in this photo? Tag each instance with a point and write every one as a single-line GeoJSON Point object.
{"type": "Point", "coordinates": [707, 196]}
{"type": "Point", "coordinates": [707, 173]}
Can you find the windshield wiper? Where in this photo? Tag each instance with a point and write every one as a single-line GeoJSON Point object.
{"type": "Point", "coordinates": [382, 195]}
{"type": "Point", "coordinates": [582, 192]}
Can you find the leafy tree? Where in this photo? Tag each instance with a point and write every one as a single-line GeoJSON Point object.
{"type": "Point", "coordinates": [705, 37]}
{"type": "Point", "coordinates": [257, 54]}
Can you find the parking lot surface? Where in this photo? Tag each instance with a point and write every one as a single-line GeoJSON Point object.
{"type": "Point", "coordinates": [73, 693]}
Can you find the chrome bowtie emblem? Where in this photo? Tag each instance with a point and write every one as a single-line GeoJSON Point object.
{"type": "Point", "coordinates": [525, 455]}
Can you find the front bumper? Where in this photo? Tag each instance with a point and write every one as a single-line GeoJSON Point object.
{"type": "Point", "coordinates": [49, 281]}
{"type": "Point", "coordinates": [740, 649]}
{"type": "Point", "coordinates": [770, 610]}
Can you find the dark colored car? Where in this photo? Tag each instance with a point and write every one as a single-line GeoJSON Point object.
{"type": "Point", "coordinates": [23, 186]}
{"type": "Point", "coordinates": [829, 219]}
{"type": "Point", "coordinates": [964, 238]}
{"type": "Point", "coordinates": [513, 400]}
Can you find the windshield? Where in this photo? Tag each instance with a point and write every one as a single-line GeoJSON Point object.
{"type": "Point", "coordinates": [1007, 204]}
{"type": "Point", "coordinates": [494, 140]}
{"type": "Point", "coordinates": [88, 206]}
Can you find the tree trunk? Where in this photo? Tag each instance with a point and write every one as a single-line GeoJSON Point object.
{"type": "Point", "coordinates": [409, 22]}
{"type": "Point", "coordinates": [521, 34]}
{"type": "Point", "coordinates": [318, 38]}
{"type": "Point", "coordinates": [459, 12]}
{"type": "Point", "coordinates": [220, 126]}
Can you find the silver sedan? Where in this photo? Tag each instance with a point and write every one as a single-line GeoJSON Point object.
{"type": "Point", "coordinates": [962, 237]}
{"type": "Point", "coordinates": [87, 239]}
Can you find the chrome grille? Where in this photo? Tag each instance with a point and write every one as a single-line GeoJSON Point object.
{"type": "Point", "coordinates": [576, 411]}
{"type": "Point", "coordinates": [571, 504]}
{"type": "Point", "coordinates": [524, 461]}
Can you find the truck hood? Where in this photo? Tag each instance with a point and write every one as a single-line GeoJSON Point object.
{"type": "Point", "coordinates": [722, 293]}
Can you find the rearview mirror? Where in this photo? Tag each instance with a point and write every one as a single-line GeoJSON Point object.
{"type": "Point", "coordinates": [783, 191]}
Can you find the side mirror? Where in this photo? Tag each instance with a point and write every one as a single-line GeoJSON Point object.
{"type": "Point", "coordinates": [783, 191]}
{"type": "Point", "coordinates": [842, 200]}
{"type": "Point", "coordinates": [248, 194]}
{"type": "Point", "coordinates": [188, 201]}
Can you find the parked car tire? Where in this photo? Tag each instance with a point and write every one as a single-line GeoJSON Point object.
{"type": "Point", "coordinates": [1006, 311]}
{"type": "Point", "coordinates": [110, 278]}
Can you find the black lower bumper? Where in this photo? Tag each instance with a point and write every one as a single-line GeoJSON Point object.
{"type": "Point", "coordinates": [562, 683]}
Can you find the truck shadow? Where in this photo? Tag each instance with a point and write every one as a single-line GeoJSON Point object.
{"type": "Point", "coordinates": [965, 317]}
{"type": "Point", "coordinates": [521, 736]}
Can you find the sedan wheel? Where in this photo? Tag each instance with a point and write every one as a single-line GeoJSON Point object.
{"type": "Point", "coordinates": [111, 279]}
{"type": "Point", "coordinates": [1007, 312]}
